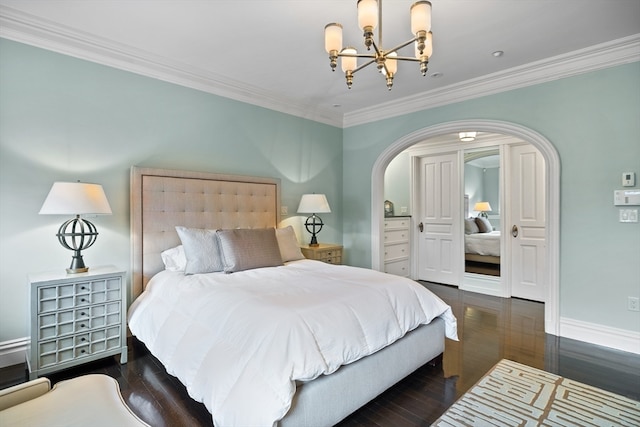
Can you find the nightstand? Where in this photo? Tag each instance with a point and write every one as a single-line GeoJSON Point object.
{"type": "Point", "coordinates": [325, 252]}
{"type": "Point", "coordinates": [76, 318]}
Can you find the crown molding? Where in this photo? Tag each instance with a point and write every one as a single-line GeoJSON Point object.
{"type": "Point", "coordinates": [605, 55]}
{"type": "Point", "coordinates": [28, 29]}
{"type": "Point", "coordinates": [34, 31]}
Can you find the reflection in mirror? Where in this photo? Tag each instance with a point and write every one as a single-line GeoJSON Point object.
{"type": "Point", "coordinates": [482, 211]}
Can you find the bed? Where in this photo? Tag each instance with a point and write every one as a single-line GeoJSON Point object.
{"type": "Point", "coordinates": [181, 325]}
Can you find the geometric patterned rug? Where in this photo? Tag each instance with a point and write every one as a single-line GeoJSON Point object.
{"type": "Point", "coordinates": [512, 394]}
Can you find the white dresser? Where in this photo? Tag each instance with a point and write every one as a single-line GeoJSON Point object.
{"type": "Point", "coordinates": [76, 318]}
{"type": "Point", "coordinates": [397, 245]}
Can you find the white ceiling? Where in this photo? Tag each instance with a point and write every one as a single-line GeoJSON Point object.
{"type": "Point", "coordinates": [271, 52]}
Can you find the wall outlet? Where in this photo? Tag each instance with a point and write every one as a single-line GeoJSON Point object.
{"type": "Point", "coordinates": [633, 304]}
{"type": "Point", "coordinates": [284, 210]}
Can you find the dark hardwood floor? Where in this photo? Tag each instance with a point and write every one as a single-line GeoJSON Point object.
{"type": "Point", "coordinates": [490, 329]}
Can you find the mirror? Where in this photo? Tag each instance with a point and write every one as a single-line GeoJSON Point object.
{"type": "Point", "coordinates": [482, 211]}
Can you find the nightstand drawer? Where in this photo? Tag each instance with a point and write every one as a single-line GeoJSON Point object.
{"type": "Point", "coordinates": [331, 254]}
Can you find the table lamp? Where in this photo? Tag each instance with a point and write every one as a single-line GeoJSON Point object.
{"type": "Point", "coordinates": [313, 204]}
{"type": "Point", "coordinates": [77, 234]}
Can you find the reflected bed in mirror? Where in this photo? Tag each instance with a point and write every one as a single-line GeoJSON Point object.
{"type": "Point", "coordinates": [482, 235]}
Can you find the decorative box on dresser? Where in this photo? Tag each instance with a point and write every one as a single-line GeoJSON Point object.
{"type": "Point", "coordinates": [76, 318]}
{"type": "Point", "coordinates": [325, 252]}
{"type": "Point", "coordinates": [396, 245]}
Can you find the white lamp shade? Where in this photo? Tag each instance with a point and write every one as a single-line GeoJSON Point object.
{"type": "Point", "coordinates": [76, 198]}
{"type": "Point", "coordinates": [367, 13]}
{"type": "Point", "coordinates": [349, 63]}
{"type": "Point", "coordinates": [313, 203]}
{"type": "Point", "coordinates": [482, 207]}
{"type": "Point", "coordinates": [332, 37]}
{"type": "Point", "coordinates": [392, 63]}
{"type": "Point", "coordinates": [420, 17]}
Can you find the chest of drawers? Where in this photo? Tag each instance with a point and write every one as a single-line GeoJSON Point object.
{"type": "Point", "coordinates": [76, 318]}
{"type": "Point", "coordinates": [396, 245]}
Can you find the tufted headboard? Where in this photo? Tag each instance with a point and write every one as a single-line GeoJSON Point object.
{"type": "Point", "coordinates": [164, 198]}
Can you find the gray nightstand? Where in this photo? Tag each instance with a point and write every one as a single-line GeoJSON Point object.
{"type": "Point", "coordinates": [76, 318]}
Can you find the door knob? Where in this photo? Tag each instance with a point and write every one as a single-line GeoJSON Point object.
{"type": "Point", "coordinates": [514, 231]}
{"type": "Point", "coordinates": [421, 227]}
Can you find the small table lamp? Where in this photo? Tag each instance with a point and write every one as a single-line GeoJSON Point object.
{"type": "Point", "coordinates": [483, 208]}
{"type": "Point", "coordinates": [313, 204]}
{"type": "Point", "coordinates": [77, 234]}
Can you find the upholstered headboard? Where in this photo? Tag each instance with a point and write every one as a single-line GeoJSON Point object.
{"type": "Point", "coordinates": [164, 198]}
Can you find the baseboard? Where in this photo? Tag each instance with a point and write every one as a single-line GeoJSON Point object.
{"type": "Point", "coordinates": [620, 339]}
{"type": "Point", "coordinates": [482, 284]}
{"type": "Point", "coordinates": [13, 352]}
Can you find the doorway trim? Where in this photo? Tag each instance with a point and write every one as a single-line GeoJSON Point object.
{"type": "Point", "coordinates": [552, 197]}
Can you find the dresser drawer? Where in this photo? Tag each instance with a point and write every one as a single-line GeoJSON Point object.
{"type": "Point", "coordinates": [399, 268]}
{"type": "Point", "coordinates": [397, 223]}
{"type": "Point", "coordinates": [395, 251]}
{"type": "Point", "coordinates": [392, 236]}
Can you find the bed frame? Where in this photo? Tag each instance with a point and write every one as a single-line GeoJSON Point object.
{"type": "Point", "coordinates": [164, 198]}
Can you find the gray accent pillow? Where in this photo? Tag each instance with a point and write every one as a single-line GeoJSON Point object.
{"type": "Point", "coordinates": [201, 250]}
{"type": "Point", "coordinates": [470, 226]}
{"type": "Point", "coordinates": [244, 249]}
{"type": "Point", "coordinates": [288, 244]}
{"type": "Point", "coordinates": [484, 225]}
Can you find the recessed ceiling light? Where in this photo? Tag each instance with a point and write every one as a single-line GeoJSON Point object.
{"type": "Point", "coordinates": [498, 53]}
{"type": "Point", "coordinates": [436, 75]}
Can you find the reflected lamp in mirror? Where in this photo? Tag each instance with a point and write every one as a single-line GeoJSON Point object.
{"type": "Point", "coordinates": [313, 204]}
{"type": "Point", "coordinates": [482, 208]}
{"type": "Point", "coordinates": [76, 234]}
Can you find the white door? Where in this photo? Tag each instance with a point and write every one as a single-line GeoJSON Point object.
{"type": "Point", "coordinates": [527, 228]}
{"type": "Point", "coordinates": [439, 249]}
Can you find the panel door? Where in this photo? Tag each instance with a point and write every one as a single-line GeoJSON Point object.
{"type": "Point", "coordinates": [439, 249]}
{"type": "Point", "coordinates": [527, 230]}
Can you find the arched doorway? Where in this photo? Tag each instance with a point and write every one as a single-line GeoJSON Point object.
{"type": "Point", "coordinates": [552, 195]}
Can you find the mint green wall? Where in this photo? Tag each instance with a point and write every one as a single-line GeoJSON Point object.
{"type": "Point", "coordinates": [68, 119]}
{"type": "Point", "coordinates": [592, 120]}
{"type": "Point", "coordinates": [397, 183]}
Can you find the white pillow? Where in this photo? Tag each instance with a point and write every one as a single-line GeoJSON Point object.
{"type": "Point", "coordinates": [174, 259]}
{"type": "Point", "coordinates": [288, 244]}
{"type": "Point", "coordinates": [201, 249]}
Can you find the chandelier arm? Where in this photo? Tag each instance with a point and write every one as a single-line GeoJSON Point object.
{"type": "Point", "coordinates": [400, 46]}
{"type": "Point", "coordinates": [406, 58]}
{"type": "Point", "coordinates": [357, 55]}
{"type": "Point", "coordinates": [366, 64]}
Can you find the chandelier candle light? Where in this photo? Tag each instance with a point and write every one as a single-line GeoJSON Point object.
{"type": "Point", "coordinates": [370, 16]}
{"type": "Point", "coordinates": [77, 234]}
{"type": "Point", "coordinates": [313, 204]}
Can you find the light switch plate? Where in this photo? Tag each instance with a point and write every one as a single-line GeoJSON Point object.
{"type": "Point", "coordinates": [628, 215]}
{"type": "Point", "coordinates": [628, 179]}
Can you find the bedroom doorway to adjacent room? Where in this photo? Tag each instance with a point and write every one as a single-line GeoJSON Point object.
{"type": "Point", "coordinates": [479, 209]}
{"type": "Point", "coordinates": [543, 247]}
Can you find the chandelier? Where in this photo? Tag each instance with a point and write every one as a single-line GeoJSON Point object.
{"type": "Point", "coordinates": [370, 16]}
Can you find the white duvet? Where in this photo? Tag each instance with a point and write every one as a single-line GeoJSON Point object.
{"type": "Point", "coordinates": [482, 243]}
{"type": "Point", "coordinates": [240, 341]}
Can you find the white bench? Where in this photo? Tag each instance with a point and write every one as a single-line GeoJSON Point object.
{"type": "Point", "coordinates": [89, 400]}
